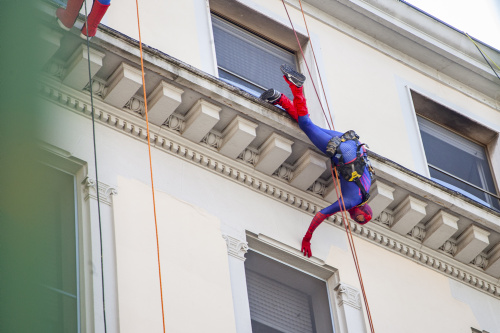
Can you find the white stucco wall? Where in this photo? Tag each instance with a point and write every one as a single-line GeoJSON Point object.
{"type": "Point", "coordinates": [180, 29]}
{"type": "Point", "coordinates": [194, 267]}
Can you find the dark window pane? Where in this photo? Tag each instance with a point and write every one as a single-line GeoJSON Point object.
{"type": "Point", "coordinates": [59, 254]}
{"type": "Point", "coordinates": [448, 153]}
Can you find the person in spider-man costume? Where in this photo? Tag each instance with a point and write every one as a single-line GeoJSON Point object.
{"type": "Point", "coordinates": [66, 17]}
{"type": "Point", "coordinates": [343, 154]}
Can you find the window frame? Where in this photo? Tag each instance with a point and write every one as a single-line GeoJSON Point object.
{"type": "Point", "coordinates": [279, 32]}
{"type": "Point", "coordinates": [77, 259]}
{"type": "Point", "coordinates": [63, 161]}
{"type": "Point", "coordinates": [260, 257]}
{"type": "Point", "coordinates": [442, 133]}
{"type": "Point", "coordinates": [478, 133]}
{"type": "Point", "coordinates": [284, 255]}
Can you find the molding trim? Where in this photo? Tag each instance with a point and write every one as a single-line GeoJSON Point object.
{"type": "Point", "coordinates": [171, 142]}
{"type": "Point", "coordinates": [105, 191]}
{"type": "Point", "coordinates": [347, 295]}
{"type": "Point", "coordinates": [235, 247]}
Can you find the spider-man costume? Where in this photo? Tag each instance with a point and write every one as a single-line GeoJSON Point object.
{"type": "Point", "coordinates": [320, 137]}
{"type": "Point", "coordinates": [66, 17]}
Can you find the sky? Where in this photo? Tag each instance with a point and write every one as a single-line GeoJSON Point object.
{"type": "Point", "coordinates": [479, 18]}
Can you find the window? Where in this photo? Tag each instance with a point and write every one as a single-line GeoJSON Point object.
{"type": "Point", "coordinates": [458, 163]}
{"type": "Point", "coordinates": [59, 253]}
{"type": "Point", "coordinates": [249, 61]}
{"type": "Point", "coordinates": [284, 299]}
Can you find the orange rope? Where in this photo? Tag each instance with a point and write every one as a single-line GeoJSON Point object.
{"type": "Point", "coordinates": [335, 176]}
{"type": "Point", "coordinates": [150, 164]}
{"type": "Point", "coordinates": [347, 227]}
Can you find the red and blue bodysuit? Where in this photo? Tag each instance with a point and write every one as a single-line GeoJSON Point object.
{"type": "Point", "coordinates": [66, 17]}
{"type": "Point", "coordinates": [320, 137]}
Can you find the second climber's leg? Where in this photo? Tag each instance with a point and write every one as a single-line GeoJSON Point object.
{"type": "Point", "coordinates": [99, 8]}
{"type": "Point", "coordinates": [66, 17]}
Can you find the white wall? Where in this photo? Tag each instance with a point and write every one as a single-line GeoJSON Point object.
{"type": "Point", "coordinates": [180, 29]}
{"type": "Point", "coordinates": [194, 267]}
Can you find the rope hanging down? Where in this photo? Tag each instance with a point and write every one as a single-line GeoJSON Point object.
{"type": "Point", "coordinates": [484, 56]}
{"type": "Point", "coordinates": [334, 171]}
{"type": "Point", "coordinates": [96, 175]}
{"type": "Point", "coordinates": [303, 57]}
{"type": "Point", "coordinates": [317, 67]}
{"type": "Point", "coordinates": [347, 227]}
{"type": "Point", "coordinates": [150, 164]}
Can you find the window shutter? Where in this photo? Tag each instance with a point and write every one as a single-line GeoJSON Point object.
{"type": "Point", "coordinates": [277, 305]}
{"type": "Point", "coordinates": [249, 57]}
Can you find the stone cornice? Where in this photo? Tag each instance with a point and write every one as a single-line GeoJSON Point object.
{"type": "Point", "coordinates": [427, 188]}
{"type": "Point", "coordinates": [435, 260]}
{"type": "Point", "coordinates": [169, 141]}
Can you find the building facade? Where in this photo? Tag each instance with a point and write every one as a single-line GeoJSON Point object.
{"type": "Point", "coordinates": [236, 182]}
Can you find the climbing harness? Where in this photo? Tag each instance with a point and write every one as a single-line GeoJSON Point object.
{"type": "Point", "coordinates": [333, 145]}
{"type": "Point", "coordinates": [353, 170]}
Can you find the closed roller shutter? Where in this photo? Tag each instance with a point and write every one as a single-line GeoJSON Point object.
{"type": "Point", "coordinates": [277, 305]}
{"type": "Point", "coordinates": [249, 61]}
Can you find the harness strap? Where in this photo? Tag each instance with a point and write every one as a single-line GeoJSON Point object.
{"type": "Point", "coordinates": [333, 145]}
{"type": "Point", "coordinates": [364, 194]}
{"type": "Point", "coordinates": [353, 171]}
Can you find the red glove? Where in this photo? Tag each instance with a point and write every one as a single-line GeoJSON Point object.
{"type": "Point", "coordinates": [306, 245]}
